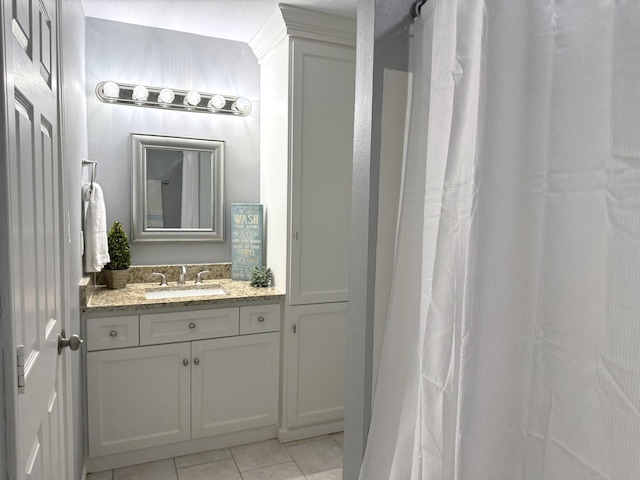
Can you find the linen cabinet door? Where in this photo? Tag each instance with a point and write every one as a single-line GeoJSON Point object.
{"type": "Point", "coordinates": [235, 384]}
{"type": "Point", "coordinates": [315, 364]}
{"type": "Point", "coordinates": [321, 162]}
{"type": "Point", "coordinates": [138, 397]}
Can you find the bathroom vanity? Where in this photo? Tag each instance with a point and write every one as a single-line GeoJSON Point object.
{"type": "Point", "coordinates": [179, 375]}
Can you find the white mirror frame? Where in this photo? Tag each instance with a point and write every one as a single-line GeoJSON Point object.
{"type": "Point", "coordinates": [139, 143]}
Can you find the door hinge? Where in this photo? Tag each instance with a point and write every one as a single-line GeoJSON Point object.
{"type": "Point", "coordinates": [20, 356]}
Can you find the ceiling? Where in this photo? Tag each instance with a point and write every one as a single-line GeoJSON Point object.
{"type": "Point", "coordinates": [231, 19]}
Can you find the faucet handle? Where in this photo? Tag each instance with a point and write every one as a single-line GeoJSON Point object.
{"type": "Point", "coordinates": [199, 279]}
{"type": "Point", "coordinates": [163, 279]}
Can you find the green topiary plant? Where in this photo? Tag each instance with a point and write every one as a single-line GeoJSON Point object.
{"type": "Point", "coordinates": [261, 277]}
{"type": "Point", "coordinates": [119, 251]}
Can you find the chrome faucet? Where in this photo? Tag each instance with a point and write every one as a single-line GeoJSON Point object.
{"type": "Point", "coordinates": [183, 275]}
{"type": "Point", "coordinates": [163, 279]}
{"type": "Point", "coordinates": [199, 278]}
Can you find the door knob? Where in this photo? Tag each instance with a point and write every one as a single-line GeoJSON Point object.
{"type": "Point", "coordinates": [73, 342]}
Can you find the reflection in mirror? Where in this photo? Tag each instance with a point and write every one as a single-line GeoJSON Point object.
{"type": "Point", "coordinates": [177, 188]}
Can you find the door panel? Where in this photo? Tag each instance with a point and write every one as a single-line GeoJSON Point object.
{"type": "Point", "coordinates": [34, 255]}
{"type": "Point", "coordinates": [234, 384]}
{"type": "Point", "coordinates": [21, 24]}
{"type": "Point", "coordinates": [321, 166]}
{"type": "Point", "coordinates": [138, 397]}
{"type": "Point", "coordinates": [316, 352]}
{"type": "Point", "coordinates": [45, 45]}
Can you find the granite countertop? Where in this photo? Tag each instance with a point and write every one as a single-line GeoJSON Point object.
{"type": "Point", "coordinates": [132, 297]}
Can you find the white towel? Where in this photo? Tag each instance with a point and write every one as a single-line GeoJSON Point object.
{"type": "Point", "coordinates": [155, 214]}
{"type": "Point", "coordinates": [96, 250]}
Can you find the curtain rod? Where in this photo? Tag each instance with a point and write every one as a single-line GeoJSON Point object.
{"type": "Point", "coordinates": [415, 8]}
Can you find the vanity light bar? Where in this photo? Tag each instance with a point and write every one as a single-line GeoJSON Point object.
{"type": "Point", "coordinates": [172, 99]}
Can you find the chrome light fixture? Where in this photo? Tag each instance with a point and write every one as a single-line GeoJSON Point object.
{"type": "Point", "coordinates": [172, 99]}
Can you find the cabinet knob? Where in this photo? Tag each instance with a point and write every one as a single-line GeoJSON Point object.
{"type": "Point", "coordinates": [113, 333]}
{"type": "Point", "coordinates": [192, 325]}
{"type": "Point", "coordinates": [185, 362]}
{"type": "Point", "coordinates": [196, 361]}
{"type": "Point", "coordinates": [261, 319]}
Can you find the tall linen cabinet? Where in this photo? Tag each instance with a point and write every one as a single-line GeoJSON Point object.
{"type": "Point", "coordinates": [307, 85]}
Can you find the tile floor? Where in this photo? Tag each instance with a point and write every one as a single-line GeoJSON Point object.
{"type": "Point", "coordinates": [318, 458]}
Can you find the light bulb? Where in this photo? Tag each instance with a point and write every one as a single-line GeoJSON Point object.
{"type": "Point", "coordinates": [192, 98]}
{"type": "Point", "coordinates": [140, 93]}
{"type": "Point", "coordinates": [111, 90]}
{"type": "Point", "coordinates": [217, 102]}
{"type": "Point", "coordinates": [166, 95]}
{"type": "Point", "coordinates": [242, 105]}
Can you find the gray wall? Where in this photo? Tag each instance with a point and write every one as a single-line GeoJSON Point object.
{"type": "Point", "coordinates": [150, 56]}
{"type": "Point", "coordinates": [74, 148]}
{"type": "Point", "coordinates": [382, 43]}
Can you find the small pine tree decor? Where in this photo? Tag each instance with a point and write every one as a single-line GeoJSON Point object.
{"type": "Point", "coordinates": [261, 277]}
{"type": "Point", "coordinates": [116, 271]}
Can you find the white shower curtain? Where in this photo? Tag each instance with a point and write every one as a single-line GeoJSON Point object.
{"type": "Point", "coordinates": [190, 209]}
{"type": "Point", "coordinates": [512, 348]}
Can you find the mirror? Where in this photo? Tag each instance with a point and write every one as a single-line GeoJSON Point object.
{"type": "Point", "coordinates": [177, 188]}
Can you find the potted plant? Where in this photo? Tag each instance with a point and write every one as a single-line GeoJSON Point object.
{"type": "Point", "coordinates": [261, 277]}
{"type": "Point", "coordinates": [116, 272]}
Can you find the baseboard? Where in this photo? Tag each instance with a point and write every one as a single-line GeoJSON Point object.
{"type": "Point", "coordinates": [117, 460]}
{"type": "Point", "coordinates": [308, 432]}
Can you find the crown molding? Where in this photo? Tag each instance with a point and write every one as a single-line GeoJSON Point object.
{"type": "Point", "coordinates": [290, 21]}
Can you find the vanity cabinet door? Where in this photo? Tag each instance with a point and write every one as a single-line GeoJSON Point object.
{"type": "Point", "coordinates": [315, 361]}
{"type": "Point", "coordinates": [138, 397]}
{"type": "Point", "coordinates": [235, 384]}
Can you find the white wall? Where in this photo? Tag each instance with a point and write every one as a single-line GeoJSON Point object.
{"type": "Point", "coordinates": [274, 159]}
{"type": "Point", "coordinates": [392, 145]}
{"type": "Point", "coordinates": [150, 56]}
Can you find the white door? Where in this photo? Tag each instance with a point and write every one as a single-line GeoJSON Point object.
{"type": "Point", "coordinates": [32, 280]}
{"type": "Point", "coordinates": [316, 354]}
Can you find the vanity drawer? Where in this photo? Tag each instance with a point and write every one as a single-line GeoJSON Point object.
{"type": "Point", "coordinates": [112, 332]}
{"type": "Point", "coordinates": [187, 326]}
{"type": "Point", "coordinates": [259, 319]}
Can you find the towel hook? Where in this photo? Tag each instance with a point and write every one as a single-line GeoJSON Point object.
{"type": "Point", "coordinates": [94, 168]}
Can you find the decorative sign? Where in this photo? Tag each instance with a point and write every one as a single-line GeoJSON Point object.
{"type": "Point", "coordinates": [246, 239]}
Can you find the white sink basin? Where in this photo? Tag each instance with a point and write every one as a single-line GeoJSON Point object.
{"type": "Point", "coordinates": [184, 292]}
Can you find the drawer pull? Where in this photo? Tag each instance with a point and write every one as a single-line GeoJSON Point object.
{"type": "Point", "coordinates": [192, 325]}
{"type": "Point", "coordinates": [185, 362]}
{"type": "Point", "coordinates": [196, 361]}
{"type": "Point", "coordinates": [113, 333]}
{"type": "Point", "coordinates": [261, 319]}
